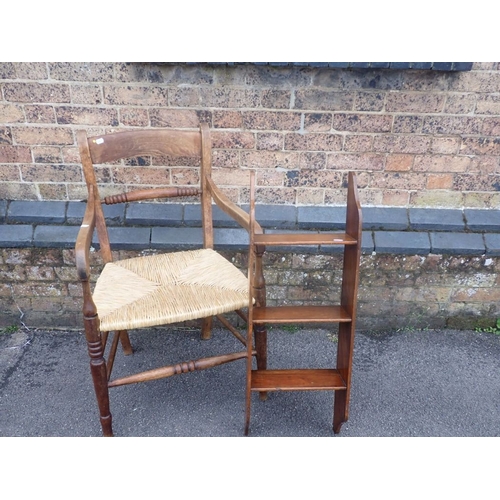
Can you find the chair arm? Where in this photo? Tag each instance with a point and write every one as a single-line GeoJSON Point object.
{"type": "Point", "coordinates": [84, 240]}
{"type": "Point", "coordinates": [230, 208]}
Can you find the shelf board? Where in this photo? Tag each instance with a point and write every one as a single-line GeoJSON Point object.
{"type": "Point", "coordinates": [297, 380]}
{"type": "Point", "coordinates": [304, 239]}
{"type": "Point", "coordinates": [301, 314]}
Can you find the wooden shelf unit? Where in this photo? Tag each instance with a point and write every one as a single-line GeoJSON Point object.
{"type": "Point", "coordinates": [336, 379]}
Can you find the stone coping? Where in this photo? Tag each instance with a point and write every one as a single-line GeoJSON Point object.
{"type": "Point", "coordinates": [158, 225]}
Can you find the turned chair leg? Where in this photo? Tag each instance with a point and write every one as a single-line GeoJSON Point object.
{"type": "Point", "coordinates": [206, 328]}
{"type": "Point", "coordinates": [98, 368]}
{"type": "Point", "coordinates": [125, 341]}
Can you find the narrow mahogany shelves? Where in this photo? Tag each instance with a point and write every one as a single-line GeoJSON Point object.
{"type": "Point", "coordinates": [301, 314]}
{"type": "Point", "coordinates": [272, 239]}
{"type": "Point", "coordinates": [297, 380]}
{"type": "Point", "coordinates": [337, 378]}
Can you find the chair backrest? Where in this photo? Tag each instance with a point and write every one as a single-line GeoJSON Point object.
{"type": "Point", "coordinates": [155, 143]}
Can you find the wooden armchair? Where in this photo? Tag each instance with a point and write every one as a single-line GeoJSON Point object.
{"type": "Point", "coordinates": [153, 290]}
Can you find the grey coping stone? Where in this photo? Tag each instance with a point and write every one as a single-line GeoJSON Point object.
{"type": "Point", "coordinates": [114, 214]}
{"type": "Point", "coordinates": [482, 220]}
{"type": "Point", "coordinates": [402, 242]}
{"type": "Point", "coordinates": [192, 217]}
{"type": "Point", "coordinates": [32, 212]}
{"type": "Point", "coordinates": [457, 243]}
{"type": "Point", "coordinates": [176, 238]}
{"type": "Point", "coordinates": [55, 236]}
{"type": "Point", "coordinates": [231, 239]}
{"type": "Point", "coordinates": [436, 219]}
{"type": "Point", "coordinates": [16, 236]}
{"type": "Point", "coordinates": [3, 210]}
{"type": "Point", "coordinates": [367, 242]}
{"type": "Point", "coordinates": [155, 214]}
{"type": "Point", "coordinates": [321, 217]}
{"type": "Point", "coordinates": [127, 238]}
{"type": "Point", "coordinates": [385, 218]}
{"type": "Point", "coordinates": [187, 238]}
{"type": "Point", "coordinates": [492, 242]}
{"type": "Point", "coordinates": [275, 216]}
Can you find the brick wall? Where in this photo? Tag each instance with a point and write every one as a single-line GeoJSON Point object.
{"type": "Point", "coordinates": [418, 138]}
{"type": "Point", "coordinates": [39, 287]}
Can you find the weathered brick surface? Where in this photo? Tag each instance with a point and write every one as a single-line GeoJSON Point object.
{"type": "Point", "coordinates": [436, 127]}
{"type": "Point", "coordinates": [396, 291]}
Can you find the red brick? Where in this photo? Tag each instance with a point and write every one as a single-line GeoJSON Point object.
{"type": "Point", "coordinates": [491, 126]}
{"type": "Point", "coordinates": [233, 140]}
{"type": "Point", "coordinates": [269, 159]}
{"type": "Point", "coordinates": [480, 146]}
{"type": "Point", "coordinates": [45, 154]}
{"type": "Point", "coordinates": [31, 70]}
{"type": "Point", "coordinates": [323, 100]}
{"type": "Point", "coordinates": [36, 92]}
{"type": "Point", "coordinates": [399, 163]}
{"type": "Point", "coordinates": [135, 96]}
{"type": "Point", "coordinates": [133, 117]}
{"type": "Point", "coordinates": [185, 176]}
{"type": "Point", "coordinates": [411, 102]}
{"type": "Point", "coordinates": [439, 181]}
{"type": "Point", "coordinates": [176, 118]}
{"type": "Point", "coordinates": [318, 122]}
{"type": "Point", "coordinates": [399, 180]}
{"type": "Point", "coordinates": [141, 176]}
{"type": "Point", "coordinates": [225, 97]}
{"type": "Point", "coordinates": [476, 182]}
{"type": "Point", "coordinates": [475, 81]}
{"type": "Point", "coordinates": [231, 177]}
{"type": "Point", "coordinates": [312, 160]}
{"type": "Point", "coordinates": [11, 113]}
{"type": "Point", "coordinates": [39, 113]}
{"type": "Point", "coordinates": [407, 124]}
{"type": "Point", "coordinates": [14, 154]}
{"type": "Point", "coordinates": [354, 161]}
{"type": "Point", "coordinates": [271, 141]}
{"type": "Point", "coordinates": [86, 94]}
{"type": "Point", "coordinates": [271, 120]}
{"type": "Point", "coordinates": [460, 125]}
{"type": "Point", "coordinates": [460, 104]}
{"type": "Point", "coordinates": [51, 173]}
{"type": "Point", "coordinates": [225, 158]}
{"type": "Point", "coordinates": [276, 99]}
{"type": "Point", "coordinates": [42, 135]}
{"type": "Point", "coordinates": [227, 119]}
{"type": "Point", "coordinates": [329, 179]}
{"type": "Point", "coordinates": [445, 145]}
{"type": "Point", "coordinates": [82, 71]}
{"type": "Point", "coordinates": [402, 143]}
{"type": "Point", "coordinates": [313, 142]}
{"type": "Point", "coordinates": [75, 115]}
{"type": "Point", "coordinates": [369, 101]}
{"type": "Point", "coordinates": [444, 163]}
{"type": "Point", "coordinates": [358, 143]}
{"type": "Point", "coordinates": [361, 123]}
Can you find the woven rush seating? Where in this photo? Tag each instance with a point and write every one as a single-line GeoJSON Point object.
{"type": "Point", "coordinates": [168, 288]}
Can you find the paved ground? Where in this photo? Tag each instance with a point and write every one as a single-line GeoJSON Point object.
{"type": "Point", "coordinates": [410, 383]}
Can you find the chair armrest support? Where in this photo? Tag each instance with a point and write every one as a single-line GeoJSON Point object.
{"type": "Point", "coordinates": [230, 208]}
{"type": "Point", "coordinates": [84, 240]}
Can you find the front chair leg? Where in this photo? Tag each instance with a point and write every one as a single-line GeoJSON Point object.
{"type": "Point", "coordinates": [97, 362]}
